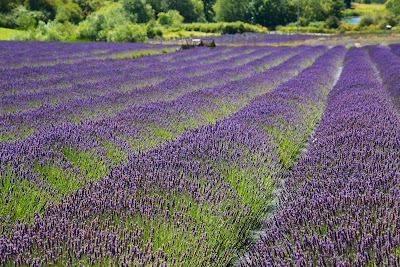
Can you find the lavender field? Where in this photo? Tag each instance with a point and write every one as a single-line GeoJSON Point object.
{"type": "Point", "coordinates": [141, 155]}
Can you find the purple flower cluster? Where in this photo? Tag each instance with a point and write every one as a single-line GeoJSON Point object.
{"type": "Point", "coordinates": [191, 201]}
{"type": "Point", "coordinates": [38, 53]}
{"type": "Point", "coordinates": [140, 127]}
{"type": "Point", "coordinates": [388, 65]}
{"type": "Point", "coordinates": [103, 89]}
{"type": "Point", "coordinates": [340, 202]}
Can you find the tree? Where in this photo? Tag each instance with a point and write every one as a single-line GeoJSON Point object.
{"type": "Point", "coordinates": [270, 13]}
{"type": "Point", "coordinates": [48, 7]}
{"type": "Point", "coordinates": [69, 12]}
{"type": "Point", "coordinates": [347, 3]}
{"type": "Point", "coordinates": [232, 10]}
{"type": "Point", "coordinates": [191, 10]}
{"type": "Point", "coordinates": [158, 5]}
{"type": "Point", "coordinates": [208, 10]}
{"type": "Point", "coordinates": [393, 6]}
{"type": "Point", "coordinates": [138, 10]}
{"type": "Point", "coordinates": [170, 18]}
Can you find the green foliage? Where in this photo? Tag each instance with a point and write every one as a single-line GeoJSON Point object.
{"type": "Point", "coordinates": [158, 5]}
{"type": "Point", "coordinates": [191, 10]}
{"type": "Point", "coordinates": [97, 24]}
{"type": "Point", "coordinates": [138, 11]}
{"type": "Point", "coordinates": [332, 22]}
{"type": "Point", "coordinates": [69, 12]}
{"type": "Point", "coordinates": [152, 30]}
{"type": "Point", "coordinates": [127, 32]}
{"type": "Point", "coordinates": [102, 20]}
{"type": "Point", "coordinates": [232, 10]}
{"type": "Point", "coordinates": [394, 7]}
{"type": "Point", "coordinates": [48, 7]}
{"type": "Point", "coordinates": [24, 19]}
{"type": "Point", "coordinates": [21, 18]}
{"type": "Point", "coordinates": [50, 31]}
{"type": "Point", "coordinates": [377, 21]}
{"type": "Point", "coordinates": [223, 27]}
{"type": "Point", "coordinates": [271, 13]}
{"type": "Point", "coordinates": [7, 5]}
{"type": "Point", "coordinates": [170, 18]}
{"type": "Point", "coordinates": [209, 12]}
{"type": "Point", "coordinates": [89, 6]}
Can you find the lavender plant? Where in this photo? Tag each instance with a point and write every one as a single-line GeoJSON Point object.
{"type": "Point", "coordinates": [191, 201]}
{"type": "Point", "coordinates": [388, 65]}
{"type": "Point", "coordinates": [340, 201]}
{"type": "Point", "coordinates": [89, 150]}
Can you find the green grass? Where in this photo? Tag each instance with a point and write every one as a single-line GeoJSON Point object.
{"type": "Point", "coordinates": [141, 53]}
{"type": "Point", "coordinates": [368, 9]}
{"type": "Point", "coordinates": [19, 198]}
{"type": "Point", "coordinates": [90, 164]}
{"type": "Point", "coordinates": [359, 10]}
{"type": "Point", "coordinates": [6, 34]}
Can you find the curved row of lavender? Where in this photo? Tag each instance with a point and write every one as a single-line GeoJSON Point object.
{"type": "Point", "coordinates": [28, 81]}
{"type": "Point", "coordinates": [16, 53]}
{"type": "Point", "coordinates": [395, 48]}
{"type": "Point", "coordinates": [388, 65]}
{"type": "Point", "coordinates": [191, 201]}
{"type": "Point", "coordinates": [39, 158]}
{"type": "Point", "coordinates": [340, 203]}
{"type": "Point", "coordinates": [84, 101]}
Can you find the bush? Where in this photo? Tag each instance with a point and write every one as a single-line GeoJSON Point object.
{"type": "Point", "coordinates": [223, 27]}
{"type": "Point", "coordinates": [23, 19]}
{"type": "Point", "coordinates": [99, 23]}
{"type": "Point", "coordinates": [152, 30]}
{"type": "Point", "coordinates": [127, 32]}
{"type": "Point", "coordinates": [50, 31]}
{"type": "Point", "coordinates": [366, 21]}
{"type": "Point", "coordinates": [332, 22]}
{"type": "Point", "coordinates": [70, 12]}
{"type": "Point", "coordinates": [171, 18]}
{"type": "Point", "coordinates": [7, 20]}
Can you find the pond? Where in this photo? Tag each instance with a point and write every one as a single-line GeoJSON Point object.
{"type": "Point", "coordinates": [352, 20]}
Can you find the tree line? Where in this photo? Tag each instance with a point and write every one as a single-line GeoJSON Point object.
{"type": "Point", "coordinates": [95, 18]}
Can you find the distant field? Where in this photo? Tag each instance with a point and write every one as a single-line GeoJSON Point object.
{"type": "Point", "coordinates": [364, 9]}
{"type": "Point", "coordinates": [5, 34]}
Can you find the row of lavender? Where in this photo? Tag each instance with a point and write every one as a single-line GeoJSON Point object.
{"type": "Point", "coordinates": [78, 152]}
{"type": "Point", "coordinates": [189, 202]}
{"type": "Point", "coordinates": [17, 54]}
{"type": "Point", "coordinates": [90, 100]}
{"type": "Point", "coordinates": [388, 64]}
{"type": "Point", "coordinates": [50, 82]}
{"type": "Point", "coordinates": [341, 201]}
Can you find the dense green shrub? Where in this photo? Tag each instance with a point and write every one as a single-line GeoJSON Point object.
{"type": "Point", "coordinates": [99, 23]}
{"type": "Point", "coordinates": [50, 31]}
{"type": "Point", "coordinates": [153, 30]}
{"type": "Point", "coordinates": [138, 11]}
{"type": "Point", "coordinates": [69, 12]}
{"type": "Point", "coordinates": [332, 22]}
{"type": "Point", "coordinates": [223, 27]}
{"type": "Point", "coordinates": [127, 32]}
{"type": "Point", "coordinates": [377, 21]}
{"type": "Point", "coordinates": [170, 18]}
{"type": "Point", "coordinates": [20, 18]}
